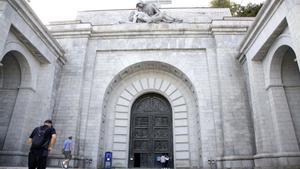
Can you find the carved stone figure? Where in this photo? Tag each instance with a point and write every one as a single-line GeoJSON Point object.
{"type": "Point", "coordinates": [139, 17]}
{"type": "Point", "coordinates": [150, 13]}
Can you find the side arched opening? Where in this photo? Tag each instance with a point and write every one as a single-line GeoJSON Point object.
{"type": "Point", "coordinates": [284, 95]}
{"type": "Point", "coordinates": [16, 89]}
{"type": "Point", "coordinates": [290, 77]}
{"type": "Point", "coordinates": [10, 81]}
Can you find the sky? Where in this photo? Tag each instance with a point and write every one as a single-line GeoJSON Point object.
{"type": "Point", "coordinates": [58, 10]}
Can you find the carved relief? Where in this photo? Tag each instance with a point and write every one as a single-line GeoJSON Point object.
{"type": "Point", "coordinates": [161, 146]}
{"type": "Point", "coordinates": [141, 121]}
{"type": "Point", "coordinates": [140, 145]}
{"type": "Point", "coordinates": [141, 133]}
{"type": "Point", "coordinates": [161, 121]}
{"type": "Point", "coordinates": [161, 133]}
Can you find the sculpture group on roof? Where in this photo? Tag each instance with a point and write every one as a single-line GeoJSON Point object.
{"type": "Point", "coordinates": [150, 13]}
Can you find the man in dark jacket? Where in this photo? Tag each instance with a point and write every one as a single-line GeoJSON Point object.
{"type": "Point", "coordinates": [42, 139]}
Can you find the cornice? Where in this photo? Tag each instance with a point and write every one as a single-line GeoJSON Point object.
{"type": "Point", "coordinates": [28, 15]}
{"type": "Point", "coordinates": [262, 18]}
{"type": "Point", "coordinates": [151, 30]}
{"type": "Point", "coordinates": [77, 29]}
{"type": "Point", "coordinates": [70, 29]}
{"type": "Point", "coordinates": [231, 25]}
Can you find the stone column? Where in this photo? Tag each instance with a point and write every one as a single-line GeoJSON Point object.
{"type": "Point", "coordinates": [263, 126]}
{"type": "Point", "coordinates": [86, 102]}
{"type": "Point", "coordinates": [236, 118]}
{"type": "Point", "coordinates": [68, 106]}
{"type": "Point", "coordinates": [216, 101]}
{"type": "Point", "coordinates": [282, 120]}
{"type": "Point", "coordinates": [17, 133]}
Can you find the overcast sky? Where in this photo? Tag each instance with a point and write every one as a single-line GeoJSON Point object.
{"type": "Point", "coordinates": [56, 10]}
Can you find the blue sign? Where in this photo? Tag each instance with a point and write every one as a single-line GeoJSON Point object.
{"type": "Point", "coordinates": [108, 160]}
{"type": "Point", "coordinates": [108, 156]}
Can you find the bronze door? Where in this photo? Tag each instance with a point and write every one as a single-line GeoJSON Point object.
{"type": "Point", "coordinates": [151, 132]}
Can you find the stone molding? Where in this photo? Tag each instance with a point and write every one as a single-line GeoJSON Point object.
{"type": "Point", "coordinates": [277, 155]}
{"type": "Point", "coordinates": [29, 70]}
{"type": "Point", "coordinates": [264, 15]}
{"type": "Point", "coordinates": [180, 114]}
{"type": "Point", "coordinates": [75, 30]}
{"type": "Point", "coordinates": [90, 24]}
{"type": "Point", "coordinates": [260, 156]}
{"type": "Point", "coordinates": [274, 58]}
{"type": "Point", "coordinates": [29, 46]}
{"type": "Point", "coordinates": [235, 157]}
{"type": "Point", "coordinates": [152, 65]}
{"type": "Point", "coordinates": [12, 153]}
{"type": "Point", "coordinates": [28, 15]}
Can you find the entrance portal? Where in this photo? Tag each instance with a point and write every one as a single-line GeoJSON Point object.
{"type": "Point", "coordinates": [151, 132]}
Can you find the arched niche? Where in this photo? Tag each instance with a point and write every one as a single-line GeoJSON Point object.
{"type": "Point", "coordinates": [15, 75]}
{"type": "Point", "coordinates": [277, 76]}
{"type": "Point", "coordinates": [151, 77]}
{"type": "Point", "coordinates": [27, 63]}
{"type": "Point", "coordinates": [290, 77]}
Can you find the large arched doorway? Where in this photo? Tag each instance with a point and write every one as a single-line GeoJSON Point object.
{"type": "Point", "coordinates": [151, 131]}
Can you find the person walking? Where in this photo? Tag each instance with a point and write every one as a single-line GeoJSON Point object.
{"type": "Point", "coordinates": [163, 161]}
{"type": "Point", "coordinates": [42, 140]}
{"type": "Point", "coordinates": [67, 151]}
{"type": "Point", "coordinates": [167, 161]}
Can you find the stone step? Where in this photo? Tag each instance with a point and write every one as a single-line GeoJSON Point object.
{"type": "Point", "coordinates": [27, 168]}
{"type": "Point", "coordinates": [71, 168]}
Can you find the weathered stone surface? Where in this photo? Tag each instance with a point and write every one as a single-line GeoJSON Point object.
{"type": "Point", "coordinates": [270, 63]}
{"type": "Point", "coordinates": [234, 94]}
{"type": "Point", "coordinates": [31, 61]}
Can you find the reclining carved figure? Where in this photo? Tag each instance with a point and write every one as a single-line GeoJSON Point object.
{"type": "Point", "coordinates": [150, 13]}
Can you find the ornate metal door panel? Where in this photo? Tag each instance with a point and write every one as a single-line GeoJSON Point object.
{"type": "Point", "coordinates": [151, 131]}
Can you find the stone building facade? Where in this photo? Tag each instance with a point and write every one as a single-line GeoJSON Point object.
{"type": "Point", "coordinates": [214, 91]}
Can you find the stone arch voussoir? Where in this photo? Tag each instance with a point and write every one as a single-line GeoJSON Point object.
{"type": "Point", "coordinates": [274, 60]}
{"type": "Point", "coordinates": [28, 69]}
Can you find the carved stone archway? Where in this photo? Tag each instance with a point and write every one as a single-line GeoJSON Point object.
{"type": "Point", "coordinates": [162, 79]}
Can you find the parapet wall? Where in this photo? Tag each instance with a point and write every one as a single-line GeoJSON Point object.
{"type": "Point", "coordinates": [189, 15]}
